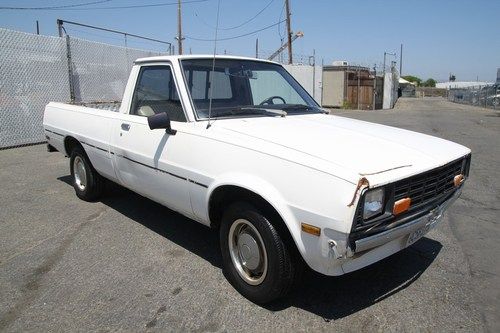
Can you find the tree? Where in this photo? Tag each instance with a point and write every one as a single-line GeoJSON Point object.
{"type": "Point", "coordinates": [413, 79]}
{"type": "Point", "coordinates": [429, 83]}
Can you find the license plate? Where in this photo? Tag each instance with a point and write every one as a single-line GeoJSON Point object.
{"type": "Point", "coordinates": [417, 234]}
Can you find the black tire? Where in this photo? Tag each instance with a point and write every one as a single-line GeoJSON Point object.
{"type": "Point", "coordinates": [94, 183]}
{"type": "Point", "coordinates": [282, 265]}
{"type": "Point", "coordinates": [50, 148]}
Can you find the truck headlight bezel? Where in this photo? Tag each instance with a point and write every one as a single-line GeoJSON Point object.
{"type": "Point", "coordinates": [373, 203]}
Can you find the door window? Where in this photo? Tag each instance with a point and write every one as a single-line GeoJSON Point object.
{"type": "Point", "coordinates": [155, 92]}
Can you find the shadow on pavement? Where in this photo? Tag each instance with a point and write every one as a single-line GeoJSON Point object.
{"type": "Point", "coordinates": [337, 297]}
{"type": "Point", "coordinates": [329, 297]}
{"type": "Point", "coordinates": [189, 234]}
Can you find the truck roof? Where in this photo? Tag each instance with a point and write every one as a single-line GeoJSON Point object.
{"type": "Point", "coordinates": [198, 56]}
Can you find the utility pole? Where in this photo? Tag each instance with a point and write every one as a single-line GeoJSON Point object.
{"type": "Point", "coordinates": [386, 54]}
{"type": "Point", "coordinates": [357, 92]}
{"type": "Point", "coordinates": [374, 86]}
{"type": "Point", "coordinates": [401, 61]}
{"type": "Point", "coordinates": [257, 48]}
{"type": "Point", "coordinates": [37, 28]}
{"type": "Point", "coordinates": [314, 73]}
{"type": "Point", "coordinates": [179, 27]}
{"type": "Point", "coordinates": [289, 31]}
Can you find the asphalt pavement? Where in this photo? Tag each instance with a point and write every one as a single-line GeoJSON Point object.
{"type": "Point", "coordinates": [126, 263]}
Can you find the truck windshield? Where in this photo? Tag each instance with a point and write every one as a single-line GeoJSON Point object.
{"type": "Point", "coordinates": [244, 88]}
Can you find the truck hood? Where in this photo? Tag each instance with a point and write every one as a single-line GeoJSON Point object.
{"type": "Point", "coordinates": [366, 149]}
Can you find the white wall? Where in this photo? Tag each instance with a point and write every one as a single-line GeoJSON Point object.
{"type": "Point", "coordinates": [309, 77]}
{"type": "Point", "coordinates": [390, 90]}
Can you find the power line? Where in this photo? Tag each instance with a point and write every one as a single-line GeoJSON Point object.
{"type": "Point", "coordinates": [239, 25]}
{"type": "Point", "coordinates": [112, 7]}
{"type": "Point", "coordinates": [238, 36]}
{"type": "Point", "coordinates": [279, 25]}
{"type": "Point", "coordinates": [57, 7]}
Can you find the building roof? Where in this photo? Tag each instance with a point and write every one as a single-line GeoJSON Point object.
{"type": "Point", "coordinates": [403, 81]}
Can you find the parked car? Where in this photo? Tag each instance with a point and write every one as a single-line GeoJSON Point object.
{"type": "Point", "coordinates": [238, 145]}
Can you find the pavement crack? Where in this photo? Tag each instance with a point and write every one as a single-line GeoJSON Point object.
{"type": "Point", "coordinates": [97, 215]}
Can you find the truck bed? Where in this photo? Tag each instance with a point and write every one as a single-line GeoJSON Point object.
{"type": "Point", "coordinates": [102, 105]}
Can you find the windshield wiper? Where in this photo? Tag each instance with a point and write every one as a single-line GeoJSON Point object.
{"type": "Point", "coordinates": [253, 110]}
{"type": "Point", "coordinates": [276, 112]}
{"type": "Point", "coordinates": [237, 111]}
{"type": "Point", "coordinates": [303, 107]}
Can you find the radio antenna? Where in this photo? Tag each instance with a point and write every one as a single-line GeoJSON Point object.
{"type": "Point", "coordinates": [212, 86]}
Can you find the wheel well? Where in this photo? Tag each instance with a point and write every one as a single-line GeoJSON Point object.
{"type": "Point", "coordinates": [224, 196]}
{"type": "Point", "coordinates": [70, 143]}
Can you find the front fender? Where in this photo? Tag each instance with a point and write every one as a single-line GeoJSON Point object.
{"type": "Point", "coordinates": [315, 250]}
{"type": "Point", "coordinates": [264, 189]}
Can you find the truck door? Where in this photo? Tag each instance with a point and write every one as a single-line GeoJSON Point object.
{"type": "Point", "coordinates": [148, 161]}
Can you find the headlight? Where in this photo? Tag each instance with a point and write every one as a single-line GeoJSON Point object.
{"type": "Point", "coordinates": [374, 203]}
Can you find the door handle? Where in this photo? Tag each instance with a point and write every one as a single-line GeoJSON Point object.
{"type": "Point", "coordinates": [125, 127]}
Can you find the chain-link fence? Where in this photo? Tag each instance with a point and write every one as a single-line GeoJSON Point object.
{"type": "Point", "coordinates": [33, 71]}
{"type": "Point", "coordinates": [38, 69]}
{"type": "Point", "coordinates": [484, 96]}
{"type": "Point", "coordinates": [100, 71]}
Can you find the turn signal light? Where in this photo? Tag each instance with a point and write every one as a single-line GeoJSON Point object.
{"type": "Point", "coordinates": [458, 180]}
{"type": "Point", "coordinates": [310, 229]}
{"type": "Point", "coordinates": [401, 206]}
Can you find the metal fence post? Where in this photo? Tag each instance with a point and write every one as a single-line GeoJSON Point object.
{"type": "Point", "coordinates": [70, 70]}
{"type": "Point", "coordinates": [374, 94]}
{"type": "Point", "coordinates": [496, 99]}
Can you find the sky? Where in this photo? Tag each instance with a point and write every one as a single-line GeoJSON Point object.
{"type": "Point", "coordinates": [439, 37]}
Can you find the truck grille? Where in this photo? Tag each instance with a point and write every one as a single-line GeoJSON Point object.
{"type": "Point", "coordinates": [427, 186]}
{"type": "Point", "coordinates": [426, 190]}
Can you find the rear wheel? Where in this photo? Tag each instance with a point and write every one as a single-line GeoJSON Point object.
{"type": "Point", "coordinates": [257, 262]}
{"type": "Point", "coordinates": [88, 184]}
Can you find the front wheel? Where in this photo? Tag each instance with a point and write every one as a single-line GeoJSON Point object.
{"type": "Point", "coordinates": [256, 260]}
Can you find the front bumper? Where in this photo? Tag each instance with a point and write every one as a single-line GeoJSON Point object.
{"type": "Point", "coordinates": [428, 220]}
{"type": "Point", "coordinates": [377, 247]}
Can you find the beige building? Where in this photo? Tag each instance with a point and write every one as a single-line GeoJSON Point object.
{"type": "Point", "coordinates": [351, 87]}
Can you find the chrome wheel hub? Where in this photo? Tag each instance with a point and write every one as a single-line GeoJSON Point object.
{"type": "Point", "coordinates": [79, 173]}
{"type": "Point", "coordinates": [248, 252]}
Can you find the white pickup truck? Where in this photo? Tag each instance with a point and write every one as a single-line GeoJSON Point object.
{"type": "Point", "coordinates": [238, 145]}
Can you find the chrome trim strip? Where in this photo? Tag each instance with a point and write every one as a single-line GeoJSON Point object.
{"type": "Point", "coordinates": [54, 132]}
{"type": "Point", "coordinates": [145, 165]}
{"type": "Point", "coordinates": [163, 171]}
{"type": "Point", "coordinates": [99, 148]}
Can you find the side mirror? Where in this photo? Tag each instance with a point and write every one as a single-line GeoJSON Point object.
{"type": "Point", "coordinates": [161, 120]}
